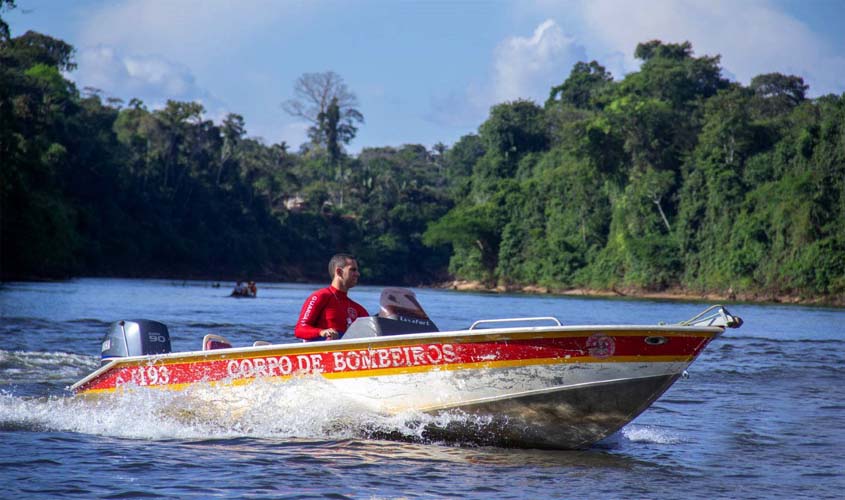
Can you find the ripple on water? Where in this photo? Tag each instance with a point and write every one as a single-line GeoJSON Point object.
{"type": "Point", "coordinates": [760, 417]}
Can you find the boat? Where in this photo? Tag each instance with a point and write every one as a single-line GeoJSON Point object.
{"type": "Point", "coordinates": [244, 290]}
{"type": "Point", "coordinates": [521, 382]}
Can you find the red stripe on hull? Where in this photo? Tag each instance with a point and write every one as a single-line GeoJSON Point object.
{"type": "Point", "coordinates": [598, 346]}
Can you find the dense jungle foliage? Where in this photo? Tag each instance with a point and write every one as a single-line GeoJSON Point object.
{"type": "Point", "coordinates": [672, 177]}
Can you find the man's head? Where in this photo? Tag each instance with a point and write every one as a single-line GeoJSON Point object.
{"type": "Point", "coordinates": [343, 269]}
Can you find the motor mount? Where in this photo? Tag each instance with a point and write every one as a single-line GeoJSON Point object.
{"type": "Point", "coordinates": [139, 337]}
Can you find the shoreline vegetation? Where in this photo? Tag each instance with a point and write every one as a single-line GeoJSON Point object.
{"type": "Point", "coordinates": [677, 294]}
{"type": "Point", "coordinates": [664, 182]}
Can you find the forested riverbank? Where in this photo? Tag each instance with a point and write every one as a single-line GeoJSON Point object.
{"type": "Point", "coordinates": [671, 178]}
{"type": "Point", "coordinates": [636, 293]}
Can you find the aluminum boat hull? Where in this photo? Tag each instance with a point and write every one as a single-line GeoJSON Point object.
{"type": "Point", "coordinates": [544, 387]}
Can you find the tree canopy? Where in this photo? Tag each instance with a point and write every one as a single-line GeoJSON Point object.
{"type": "Point", "coordinates": [324, 101]}
{"type": "Point", "coordinates": [671, 177]}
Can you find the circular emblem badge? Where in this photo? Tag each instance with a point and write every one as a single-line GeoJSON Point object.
{"type": "Point", "coordinates": [600, 345]}
{"type": "Point", "coordinates": [351, 315]}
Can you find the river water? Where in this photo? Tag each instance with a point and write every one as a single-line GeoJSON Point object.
{"type": "Point", "coordinates": [762, 414]}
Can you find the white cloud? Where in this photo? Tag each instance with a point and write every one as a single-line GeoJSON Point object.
{"type": "Point", "coordinates": [190, 31]}
{"type": "Point", "coordinates": [174, 79]}
{"type": "Point", "coordinates": [527, 67]}
{"type": "Point", "coordinates": [522, 68]}
{"type": "Point", "coordinates": [157, 50]}
{"type": "Point", "coordinates": [150, 78]}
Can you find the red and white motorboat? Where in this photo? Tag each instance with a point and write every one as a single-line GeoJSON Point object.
{"type": "Point", "coordinates": [526, 382]}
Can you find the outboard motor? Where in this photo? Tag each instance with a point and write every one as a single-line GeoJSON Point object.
{"type": "Point", "coordinates": [138, 337]}
{"type": "Point", "coordinates": [399, 313]}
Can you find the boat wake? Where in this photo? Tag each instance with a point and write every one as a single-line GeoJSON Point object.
{"type": "Point", "coordinates": [27, 373]}
{"type": "Point", "coordinates": [649, 434]}
{"type": "Point", "coordinates": [306, 408]}
{"type": "Point", "coordinates": [33, 397]}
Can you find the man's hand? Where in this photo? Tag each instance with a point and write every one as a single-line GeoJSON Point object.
{"type": "Point", "coordinates": [330, 334]}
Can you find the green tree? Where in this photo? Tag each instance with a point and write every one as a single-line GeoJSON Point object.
{"type": "Point", "coordinates": [4, 27]}
{"type": "Point", "coordinates": [33, 48]}
{"type": "Point", "coordinates": [777, 93]}
{"type": "Point", "coordinates": [396, 193]}
{"type": "Point", "coordinates": [459, 162]}
{"type": "Point", "coordinates": [582, 88]}
{"type": "Point", "coordinates": [714, 188]}
{"type": "Point", "coordinates": [514, 129]}
{"type": "Point", "coordinates": [37, 222]}
{"type": "Point", "coordinates": [233, 130]}
{"type": "Point", "coordinates": [670, 72]}
{"type": "Point", "coordinates": [474, 232]}
{"type": "Point", "coordinates": [314, 94]}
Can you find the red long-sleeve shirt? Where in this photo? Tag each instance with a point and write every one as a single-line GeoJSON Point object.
{"type": "Point", "coordinates": [327, 308]}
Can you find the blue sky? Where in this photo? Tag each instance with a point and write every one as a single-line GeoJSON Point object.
{"type": "Point", "coordinates": [424, 71]}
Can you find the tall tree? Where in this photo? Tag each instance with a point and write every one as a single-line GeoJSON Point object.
{"type": "Point", "coordinates": [777, 93]}
{"type": "Point", "coordinates": [671, 73]}
{"type": "Point", "coordinates": [314, 94]}
{"type": "Point", "coordinates": [4, 27]}
{"type": "Point", "coordinates": [582, 86]}
{"type": "Point", "coordinates": [233, 131]}
{"type": "Point", "coordinates": [33, 48]}
{"type": "Point", "coordinates": [334, 132]}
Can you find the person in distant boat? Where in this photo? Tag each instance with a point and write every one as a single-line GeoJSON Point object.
{"type": "Point", "coordinates": [253, 290]}
{"type": "Point", "coordinates": [328, 312]}
{"type": "Point", "coordinates": [241, 290]}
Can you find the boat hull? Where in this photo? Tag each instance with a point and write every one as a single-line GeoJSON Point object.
{"type": "Point", "coordinates": [564, 418]}
{"type": "Point", "coordinates": [544, 387]}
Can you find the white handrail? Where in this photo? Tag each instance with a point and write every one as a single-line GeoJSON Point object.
{"type": "Point", "coordinates": [515, 320]}
{"type": "Point", "coordinates": [718, 316]}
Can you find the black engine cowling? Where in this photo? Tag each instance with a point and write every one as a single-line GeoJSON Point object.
{"type": "Point", "coordinates": [139, 337]}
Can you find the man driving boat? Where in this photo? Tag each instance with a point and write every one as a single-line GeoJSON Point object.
{"type": "Point", "coordinates": [328, 312]}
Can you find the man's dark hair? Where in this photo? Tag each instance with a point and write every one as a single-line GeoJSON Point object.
{"type": "Point", "coordinates": [339, 260]}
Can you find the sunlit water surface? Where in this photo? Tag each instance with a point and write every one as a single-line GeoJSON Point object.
{"type": "Point", "coordinates": [761, 416]}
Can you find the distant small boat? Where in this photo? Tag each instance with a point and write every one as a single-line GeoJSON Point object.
{"type": "Point", "coordinates": [556, 386]}
{"type": "Point", "coordinates": [249, 291]}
